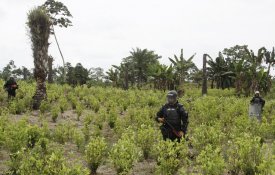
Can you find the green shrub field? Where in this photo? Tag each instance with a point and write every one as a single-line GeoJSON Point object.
{"type": "Point", "coordinates": [83, 130]}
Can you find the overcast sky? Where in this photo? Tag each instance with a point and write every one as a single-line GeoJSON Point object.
{"type": "Point", "coordinates": [105, 31]}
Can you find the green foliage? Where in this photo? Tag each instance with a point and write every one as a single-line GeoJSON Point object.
{"type": "Point", "coordinates": [18, 106]}
{"type": "Point", "coordinates": [94, 104]}
{"type": "Point", "coordinates": [86, 130]}
{"type": "Point", "coordinates": [204, 135]}
{"type": "Point", "coordinates": [182, 67]}
{"type": "Point", "coordinates": [63, 104]}
{"type": "Point", "coordinates": [64, 132]}
{"type": "Point", "coordinates": [112, 117]}
{"type": "Point", "coordinates": [95, 152]}
{"type": "Point", "coordinates": [33, 134]}
{"type": "Point", "coordinates": [15, 135]}
{"type": "Point", "coordinates": [38, 162]}
{"type": "Point", "coordinates": [222, 136]}
{"type": "Point", "coordinates": [58, 13]}
{"type": "Point", "coordinates": [210, 161]}
{"type": "Point", "coordinates": [45, 106]}
{"type": "Point", "coordinates": [79, 110]}
{"type": "Point", "coordinates": [79, 139]}
{"type": "Point", "coordinates": [123, 155]}
{"type": "Point", "coordinates": [146, 140]}
{"type": "Point", "coordinates": [55, 112]}
{"type": "Point", "coordinates": [249, 157]}
{"type": "Point", "coordinates": [170, 155]}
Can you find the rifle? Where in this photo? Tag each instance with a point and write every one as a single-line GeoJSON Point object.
{"type": "Point", "coordinates": [173, 129]}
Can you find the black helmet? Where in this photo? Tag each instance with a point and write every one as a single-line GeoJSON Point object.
{"type": "Point", "coordinates": [12, 78]}
{"type": "Point", "coordinates": [172, 97]}
{"type": "Point", "coordinates": [172, 93]}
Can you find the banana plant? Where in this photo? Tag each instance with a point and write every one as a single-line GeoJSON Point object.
{"type": "Point", "coordinates": [219, 72]}
{"type": "Point", "coordinates": [183, 66]}
{"type": "Point", "coordinates": [163, 77]}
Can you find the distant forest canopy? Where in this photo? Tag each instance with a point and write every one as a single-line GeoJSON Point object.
{"type": "Point", "coordinates": [236, 67]}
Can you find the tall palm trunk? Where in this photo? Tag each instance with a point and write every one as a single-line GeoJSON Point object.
{"type": "Point", "coordinates": [39, 25]}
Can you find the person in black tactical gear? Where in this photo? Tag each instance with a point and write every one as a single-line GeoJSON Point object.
{"type": "Point", "coordinates": [173, 117]}
{"type": "Point", "coordinates": [257, 99]}
{"type": "Point", "coordinates": [11, 86]}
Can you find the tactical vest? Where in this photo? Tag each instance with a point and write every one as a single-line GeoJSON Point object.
{"type": "Point", "coordinates": [257, 100]}
{"type": "Point", "coordinates": [173, 117]}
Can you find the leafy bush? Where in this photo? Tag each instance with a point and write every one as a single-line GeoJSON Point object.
{"type": "Point", "coordinates": [112, 117]}
{"type": "Point", "coordinates": [94, 153]}
{"type": "Point", "coordinates": [170, 155]}
{"type": "Point", "coordinates": [63, 104]}
{"type": "Point", "coordinates": [79, 110]}
{"type": "Point", "coordinates": [146, 140]}
{"type": "Point", "coordinates": [53, 162]}
{"type": "Point", "coordinates": [238, 145]}
{"type": "Point", "coordinates": [94, 103]}
{"type": "Point", "coordinates": [55, 112]}
{"type": "Point", "coordinates": [33, 135]}
{"type": "Point", "coordinates": [79, 139]}
{"type": "Point", "coordinates": [249, 157]}
{"type": "Point", "coordinates": [205, 134]}
{"type": "Point", "coordinates": [123, 155]}
{"type": "Point", "coordinates": [99, 121]}
{"type": "Point", "coordinates": [45, 106]}
{"type": "Point", "coordinates": [86, 130]}
{"type": "Point", "coordinates": [16, 136]}
{"type": "Point", "coordinates": [64, 132]}
{"type": "Point", "coordinates": [210, 161]}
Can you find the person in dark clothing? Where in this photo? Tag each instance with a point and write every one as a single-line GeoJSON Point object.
{"type": "Point", "coordinates": [173, 117]}
{"type": "Point", "coordinates": [257, 99]}
{"type": "Point", "coordinates": [11, 86]}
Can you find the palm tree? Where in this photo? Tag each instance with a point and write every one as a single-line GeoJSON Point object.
{"type": "Point", "coordinates": [183, 66]}
{"type": "Point", "coordinates": [39, 24]}
{"type": "Point", "coordinates": [142, 60]}
{"type": "Point", "coordinates": [113, 75]}
{"type": "Point", "coordinates": [124, 74]}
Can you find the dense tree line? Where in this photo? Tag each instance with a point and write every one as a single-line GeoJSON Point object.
{"type": "Point", "coordinates": [236, 67]}
{"type": "Point", "coordinates": [243, 69]}
{"type": "Point", "coordinates": [75, 75]}
{"type": "Point", "coordinates": [142, 68]}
